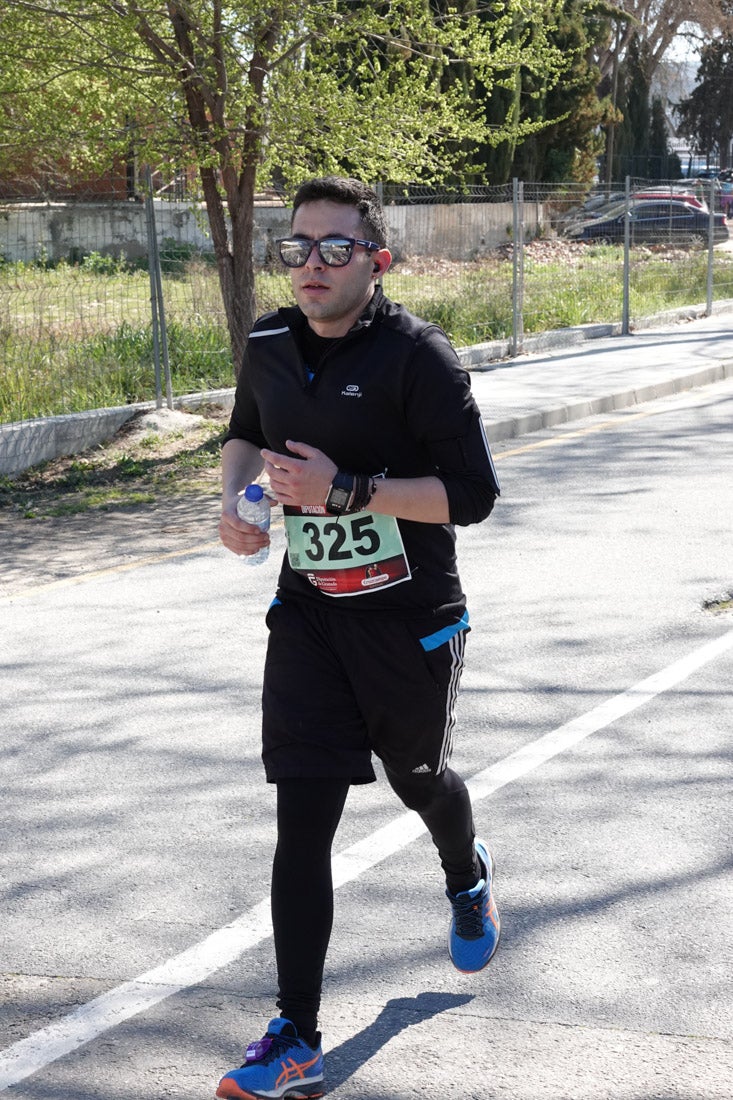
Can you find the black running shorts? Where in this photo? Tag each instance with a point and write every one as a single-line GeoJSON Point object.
{"type": "Point", "coordinates": [339, 686]}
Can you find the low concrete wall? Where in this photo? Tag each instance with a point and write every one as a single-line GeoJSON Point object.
{"type": "Point", "coordinates": [28, 442]}
{"type": "Point", "coordinates": [62, 231]}
{"type": "Point", "coordinates": [67, 230]}
{"type": "Point", "coordinates": [452, 232]}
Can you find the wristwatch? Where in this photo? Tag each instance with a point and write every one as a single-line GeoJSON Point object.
{"type": "Point", "coordinates": [341, 494]}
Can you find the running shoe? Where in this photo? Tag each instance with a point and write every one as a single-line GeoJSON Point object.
{"type": "Point", "coordinates": [475, 926]}
{"type": "Point", "coordinates": [277, 1066]}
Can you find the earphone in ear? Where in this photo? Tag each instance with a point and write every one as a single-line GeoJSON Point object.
{"type": "Point", "coordinates": [377, 269]}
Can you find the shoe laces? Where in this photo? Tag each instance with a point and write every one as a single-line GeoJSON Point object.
{"type": "Point", "coordinates": [468, 913]}
{"type": "Point", "coordinates": [266, 1049]}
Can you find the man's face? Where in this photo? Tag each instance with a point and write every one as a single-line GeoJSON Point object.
{"type": "Point", "coordinates": [333, 298]}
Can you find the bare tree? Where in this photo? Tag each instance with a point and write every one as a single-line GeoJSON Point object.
{"type": "Point", "coordinates": [658, 23]}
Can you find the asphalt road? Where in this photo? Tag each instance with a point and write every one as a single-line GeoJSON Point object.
{"type": "Point", "coordinates": [137, 829]}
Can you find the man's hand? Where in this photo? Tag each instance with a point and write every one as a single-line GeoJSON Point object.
{"type": "Point", "coordinates": [241, 464]}
{"type": "Point", "coordinates": [238, 536]}
{"type": "Point", "coordinates": [299, 480]}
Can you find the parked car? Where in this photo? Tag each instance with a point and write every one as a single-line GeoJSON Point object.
{"type": "Point", "coordinates": [682, 195]}
{"type": "Point", "coordinates": [604, 204]}
{"type": "Point", "coordinates": [650, 221]}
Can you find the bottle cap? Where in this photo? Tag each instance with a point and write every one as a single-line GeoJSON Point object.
{"type": "Point", "coordinates": [254, 492]}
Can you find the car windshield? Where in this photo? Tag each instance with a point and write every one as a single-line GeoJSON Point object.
{"type": "Point", "coordinates": [614, 210]}
{"type": "Point", "coordinates": [611, 211]}
{"type": "Point", "coordinates": [663, 209]}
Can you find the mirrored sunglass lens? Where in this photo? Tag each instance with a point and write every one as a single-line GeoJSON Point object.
{"type": "Point", "coordinates": [335, 251]}
{"type": "Point", "coordinates": [295, 253]}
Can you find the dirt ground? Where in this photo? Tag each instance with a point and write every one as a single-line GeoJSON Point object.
{"type": "Point", "coordinates": [140, 497]}
{"type": "Point", "coordinates": [40, 552]}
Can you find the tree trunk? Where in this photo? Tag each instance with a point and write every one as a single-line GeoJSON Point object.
{"type": "Point", "coordinates": [234, 260]}
{"type": "Point", "coordinates": [235, 257]}
{"type": "Point", "coordinates": [206, 105]}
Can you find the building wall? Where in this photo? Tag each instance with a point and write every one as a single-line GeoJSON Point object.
{"type": "Point", "coordinates": [67, 230]}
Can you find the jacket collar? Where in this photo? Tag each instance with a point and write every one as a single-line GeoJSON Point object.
{"type": "Point", "coordinates": [296, 320]}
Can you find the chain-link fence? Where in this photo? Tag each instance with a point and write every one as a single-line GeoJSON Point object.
{"type": "Point", "coordinates": [87, 308]}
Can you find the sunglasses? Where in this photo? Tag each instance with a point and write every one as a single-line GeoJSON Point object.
{"type": "Point", "coordinates": [334, 251]}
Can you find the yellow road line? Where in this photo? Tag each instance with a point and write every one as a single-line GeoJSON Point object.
{"type": "Point", "coordinates": [577, 433]}
{"type": "Point", "coordinates": [152, 559]}
{"type": "Point", "coordinates": [700, 394]}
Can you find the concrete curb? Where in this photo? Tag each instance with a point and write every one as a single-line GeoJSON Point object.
{"type": "Point", "coordinates": [479, 355]}
{"type": "Point", "coordinates": [29, 442]}
{"type": "Point", "coordinates": [524, 423]}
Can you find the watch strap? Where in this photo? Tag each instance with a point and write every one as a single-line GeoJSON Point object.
{"type": "Point", "coordinates": [349, 493]}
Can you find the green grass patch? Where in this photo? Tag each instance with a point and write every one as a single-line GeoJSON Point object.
{"type": "Point", "coordinates": [101, 501]}
{"type": "Point", "coordinates": [78, 337]}
{"type": "Point", "coordinates": [49, 375]}
{"type": "Point", "coordinates": [475, 309]}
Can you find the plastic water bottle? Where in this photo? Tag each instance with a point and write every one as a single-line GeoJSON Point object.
{"type": "Point", "coordinates": [253, 508]}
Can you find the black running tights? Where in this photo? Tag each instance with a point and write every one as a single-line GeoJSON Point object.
{"type": "Point", "coordinates": [308, 813]}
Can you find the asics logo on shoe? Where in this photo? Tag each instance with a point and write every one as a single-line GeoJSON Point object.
{"type": "Point", "coordinates": [492, 913]}
{"type": "Point", "coordinates": [292, 1069]}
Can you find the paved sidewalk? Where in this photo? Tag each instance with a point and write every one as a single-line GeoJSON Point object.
{"type": "Point", "coordinates": [568, 383]}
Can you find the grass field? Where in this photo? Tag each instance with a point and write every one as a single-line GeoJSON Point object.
{"type": "Point", "coordinates": [79, 337]}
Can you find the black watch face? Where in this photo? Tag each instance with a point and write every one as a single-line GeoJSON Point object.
{"type": "Point", "coordinates": [338, 499]}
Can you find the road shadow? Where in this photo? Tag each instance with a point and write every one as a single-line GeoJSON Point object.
{"type": "Point", "coordinates": [397, 1015]}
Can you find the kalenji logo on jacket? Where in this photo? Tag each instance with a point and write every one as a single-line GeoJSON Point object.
{"type": "Point", "coordinates": [352, 391]}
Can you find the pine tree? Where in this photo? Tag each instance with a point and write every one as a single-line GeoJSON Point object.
{"type": "Point", "coordinates": [706, 115]}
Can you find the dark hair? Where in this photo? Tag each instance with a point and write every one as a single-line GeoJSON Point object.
{"type": "Point", "coordinates": [350, 192]}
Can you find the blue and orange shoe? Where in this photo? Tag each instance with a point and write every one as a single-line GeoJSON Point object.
{"type": "Point", "coordinates": [279, 1065]}
{"type": "Point", "coordinates": [475, 926]}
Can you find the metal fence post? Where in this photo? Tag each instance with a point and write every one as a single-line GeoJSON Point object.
{"type": "Point", "coordinates": [157, 306]}
{"type": "Point", "coordinates": [627, 259]}
{"type": "Point", "coordinates": [150, 232]}
{"type": "Point", "coordinates": [711, 236]}
{"type": "Point", "coordinates": [517, 266]}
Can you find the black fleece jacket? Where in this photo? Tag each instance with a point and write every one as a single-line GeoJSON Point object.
{"type": "Point", "coordinates": [388, 398]}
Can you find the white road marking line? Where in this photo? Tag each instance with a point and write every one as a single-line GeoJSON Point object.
{"type": "Point", "coordinates": [226, 944]}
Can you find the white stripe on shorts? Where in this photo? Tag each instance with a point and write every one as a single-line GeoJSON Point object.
{"type": "Point", "coordinates": [457, 645]}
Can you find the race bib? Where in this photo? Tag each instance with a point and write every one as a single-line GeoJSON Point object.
{"type": "Point", "coordinates": [345, 555]}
